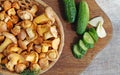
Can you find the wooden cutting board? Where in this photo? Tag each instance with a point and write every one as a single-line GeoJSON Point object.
{"type": "Point", "coordinates": [67, 64]}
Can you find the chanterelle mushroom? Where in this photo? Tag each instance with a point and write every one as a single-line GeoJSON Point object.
{"type": "Point", "coordinates": [32, 57]}
{"type": "Point", "coordinates": [26, 24]}
{"type": "Point", "coordinates": [52, 55]}
{"type": "Point", "coordinates": [42, 55]}
{"type": "Point", "coordinates": [16, 5]}
{"type": "Point", "coordinates": [37, 48]}
{"type": "Point", "coordinates": [55, 43]}
{"type": "Point", "coordinates": [25, 15]}
{"type": "Point", "coordinates": [41, 29]}
{"type": "Point", "coordinates": [50, 14]}
{"type": "Point", "coordinates": [23, 44]}
{"type": "Point", "coordinates": [22, 35]}
{"type": "Point", "coordinates": [9, 25]}
{"type": "Point", "coordinates": [38, 40]}
{"type": "Point", "coordinates": [13, 48]}
{"type": "Point", "coordinates": [14, 58]}
{"type": "Point", "coordinates": [35, 67]}
{"type": "Point", "coordinates": [16, 30]}
{"type": "Point", "coordinates": [48, 35]}
{"type": "Point", "coordinates": [42, 19]}
{"type": "Point", "coordinates": [30, 47]}
{"type": "Point", "coordinates": [30, 33]}
{"type": "Point", "coordinates": [20, 68]}
{"type": "Point", "coordinates": [11, 12]}
{"type": "Point", "coordinates": [7, 18]}
{"type": "Point", "coordinates": [44, 63]}
{"type": "Point", "coordinates": [33, 10]}
{"type": "Point", "coordinates": [1, 56]}
{"type": "Point", "coordinates": [10, 36]}
{"type": "Point", "coordinates": [5, 44]}
{"type": "Point", "coordinates": [14, 19]}
{"type": "Point", "coordinates": [2, 15]}
{"type": "Point", "coordinates": [1, 38]}
{"type": "Point", "coordinates": [4, 60]}
{"type": "Point", "coordinates": [7, 5]}
{"type": "Point", "coordinates": [3, 26]}
{"type": "Point", "coordinates": [45, 47]}
{"type": "Point", "coordinates": [53, 30]}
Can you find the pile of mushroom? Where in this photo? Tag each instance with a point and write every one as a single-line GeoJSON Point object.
{"type": "Point", "coordinates": [27, 40]}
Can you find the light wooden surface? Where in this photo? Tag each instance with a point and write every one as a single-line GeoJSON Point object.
{"type": "Point", "coordinates": [67, 64]}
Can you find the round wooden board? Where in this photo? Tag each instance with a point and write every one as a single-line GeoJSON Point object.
{"type": "Point", "coordinates": [67, 64]}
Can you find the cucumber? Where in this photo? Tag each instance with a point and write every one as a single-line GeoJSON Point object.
{"type": "Point", "coordinates": [83, 17]}
{"type": "Point", "coordinates": [70, 10]}
{"type": "Point", "coordinates": [82, 47]}
{"type": "Point", "coordinates": [93, 33]}
{"type": "Point", "coordinates": [88, 40]}
{"type": "Point", "coordinates": [76, 52]}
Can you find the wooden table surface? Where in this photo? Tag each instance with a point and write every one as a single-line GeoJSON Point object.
{"type": "Point", "coordinates": [67, 64]}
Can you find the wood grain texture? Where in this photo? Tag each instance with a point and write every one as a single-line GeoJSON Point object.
{"type": "Point", "coordinates": [67, 64]}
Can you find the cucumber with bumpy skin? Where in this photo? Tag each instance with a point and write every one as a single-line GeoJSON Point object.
{"type": "Point", "coordinates": [83, 17]}
{"type": "Point", "coordinates": [70, 10]}
{"type": "Point", "coordinates": [88, 40]}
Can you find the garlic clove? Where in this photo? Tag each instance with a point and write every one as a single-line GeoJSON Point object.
{"type": "Point", "coordinates": [101, 31]}
{"type": "Point", "coordinates": [94, 22]}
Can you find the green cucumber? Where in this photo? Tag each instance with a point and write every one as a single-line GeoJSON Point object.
{"type": "Point", "coordinates": [88, 40]}
{"type": "Point", "coordinates": [82, 47]}
{"type": "Point", "coordinates": [83, 17]}
{"type": "Point", "coordinates": [70, 10]}
{"type": "Point", "coordinates": [93, 33]}
{"type": "Point", "coordinates": [76, 52]}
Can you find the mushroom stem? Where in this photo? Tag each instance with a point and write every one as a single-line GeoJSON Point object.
{"type": "Point", "coordinates": [33, 10]}
{"type": "Point", "coordinates": [5, 44]}
{"type": "Point", "coordinates": [10, 36]}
